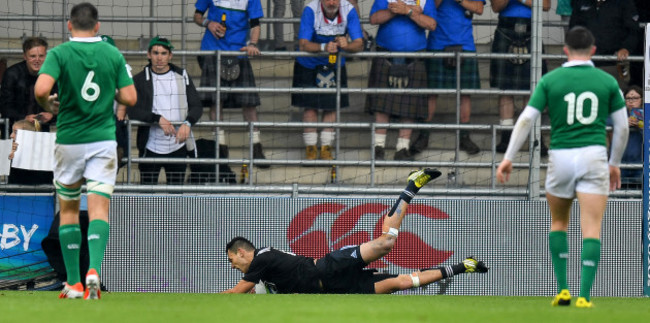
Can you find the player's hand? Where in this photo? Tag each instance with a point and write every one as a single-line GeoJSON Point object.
{"type": "Point", "coordinates": [622, 54]}
{"type": "Point", "coordinates": [183, 133]}
{"type": "Point", "coordinates": [54, 103]}
{"type": "Point", "coordinates": [614, 178]}
{"type": "Point", "coordinates": [166, 126]}
{"type": "Point", "coordinates": [251, 50]}
{"type": "Point", "coordinates": [504, 170]}
{"type": "Point", "coordinates": [398, 8]}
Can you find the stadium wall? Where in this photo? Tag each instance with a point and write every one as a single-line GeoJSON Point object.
{"type": "Point", "coordinates": [176, 243]}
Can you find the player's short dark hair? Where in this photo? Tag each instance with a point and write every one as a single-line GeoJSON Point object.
{"type": "Point", "coordinates": [239, 242]}
{"type": "Point", "coordinates": [31, 42]}
{"type": "Point", "coordinates": [579, 38]}
{"type": "Point", "coordinates": [83, 16]}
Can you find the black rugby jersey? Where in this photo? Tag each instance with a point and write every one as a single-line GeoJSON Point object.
{"type": "Point", "coordinates": [283, 272]}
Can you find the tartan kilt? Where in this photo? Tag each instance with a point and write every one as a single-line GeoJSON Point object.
{"type": "Point", "coordinates": [229, 100]}
{"type": "Point", "coordinates": [505, 74]}
{"type": "Point", "coordinates": [440, 76]}
{"type": "Point", "coordinates": [306, 77]}
{"type": "Point", "coordinates": [397, 105]}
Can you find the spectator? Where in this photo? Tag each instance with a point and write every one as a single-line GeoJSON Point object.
{"type": "Point", "coordinates": [453, 34]}
{"type": "Point", "coordinates": [402, 28]}
{"type": "Point", "coordinates": [324, 27]}
{"type": "Point", "coordinates": [227, 26]}
{"type": "Point", "coordinates": [165, 94]}
{"type": "Point", "coordinates": [17, 100]}
{"type": "Point", "coordinates": [26, 176]}
{"type": "Point", "coordinates": [279, 7]}
{"type": "Point", "coordinates": [512, 36]}
{"type": "Point", "coordinates": [636, 68]}
{"type": "Point", "coordinates": [614, 24]}
{"type": "Point", "coordinates": [633, 178]}
{"type": "Point", "coordinates": [564, 11]}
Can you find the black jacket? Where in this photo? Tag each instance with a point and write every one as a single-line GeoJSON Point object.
{"type": "Point", "coordinates": [17, 94]}
{"type": "Point", "coordinates": [142, 110]}
{"type": "Point", "coordinates": [614, 24]}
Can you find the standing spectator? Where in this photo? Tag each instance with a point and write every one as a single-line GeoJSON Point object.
{"type": "Point", "coordinates": [453, 34]}
{"type": "Point", "coordinates": [403, 26]}
{"type": "Point", "coordinates": [91, 74]}
{"type": "Point", "coordinates": [512, 36]}
{"type": "Point", "coordinates": [564, 11]}
{"type": "Point", "coordinates": [636, 68]}
{"type": "Point", "coordinates": [165, 94]}
{"type": "Point", "coordinates": [324, 27]}
{"type": "Point", "coordinates": [633, 178]}
{"type": "Point", "coordinates": [615, 25]}
{"type": "Point", "coordinates": [279, 7]}
{"type": "Point", "coordinates": [228, 24]}
{"type": "Point", "coordinates": [17, 100]}
{"type": "Point", "coordinates": [579, 99]}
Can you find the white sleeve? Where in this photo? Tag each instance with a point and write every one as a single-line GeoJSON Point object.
{"type": "Point", "coordinates": [521, 130]}
{"type": "Point", "coordinates": [619, 136]}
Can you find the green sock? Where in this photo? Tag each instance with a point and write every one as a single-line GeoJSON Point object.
{"type": "Point", "coordinates": [70, 239]}
{"type": "Point", "coordinates": [97, 239]}
{"type": "Point", "coordinates": [559, 246]}
{"type": "Point", "coordinates": [590, 259]}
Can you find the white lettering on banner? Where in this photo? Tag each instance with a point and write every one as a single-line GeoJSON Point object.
{"type": "Point", "coordinates": [11, 239]}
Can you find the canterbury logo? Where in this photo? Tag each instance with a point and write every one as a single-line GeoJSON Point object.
{"type": "Point", "coordinates": [93, 237]}
{"type": "Point", "coordinates": [72, 246]}
{"type": "Point", "coordinates": [589, 263]}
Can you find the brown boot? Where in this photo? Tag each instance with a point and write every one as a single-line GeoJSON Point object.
{"type": "Point", "coordinates": [326, 152]}
{"type": "Point", "coordinates": [311, 152]}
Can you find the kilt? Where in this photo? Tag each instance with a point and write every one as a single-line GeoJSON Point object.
{"type": "Point", "coordinates": [440, 76]}
{"type": "Point", "coordinates": [504, 74]}
{"type": "Point", "coordinates": [229, 100]}
{"type": "Point", "coordinates": [305, 77]}
{"type": "Point", "coordinates": [397, 105]}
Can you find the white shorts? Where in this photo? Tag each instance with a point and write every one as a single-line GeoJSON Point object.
{"type": "Point", "coordinates": [583, 170]}
{"type": "Point", "coordinates": [95, 161]}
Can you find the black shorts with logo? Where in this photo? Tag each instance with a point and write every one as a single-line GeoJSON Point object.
{"type": "Point", "coordinates": [342, 272]}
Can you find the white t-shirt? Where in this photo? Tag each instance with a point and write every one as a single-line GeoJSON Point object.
{"type": "Point", "coordinates": [166, 102]}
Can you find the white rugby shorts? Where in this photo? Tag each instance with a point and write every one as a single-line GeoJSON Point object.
{"type": "Point", "coordinates": [572, 170]}
{"type": "Point", "coordinates": [95, 161]}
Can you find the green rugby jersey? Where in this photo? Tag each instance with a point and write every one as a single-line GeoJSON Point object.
{"type": "Point", "coordinates": [579, 98]}
{"type": "Point", "coordinates": [87, 71]}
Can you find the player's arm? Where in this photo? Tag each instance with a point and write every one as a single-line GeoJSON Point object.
{"type": "Point", "coordinates": [242, 287]}
{"type": "Point", "coordinates": [127, 95]}
{"type": "Point", "coordinates": [42, 89]}
{"type": "Point", "coordinates": [519, 135]}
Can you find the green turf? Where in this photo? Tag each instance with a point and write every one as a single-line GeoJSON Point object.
{"type": "Point", "coordinates": [23, 306]}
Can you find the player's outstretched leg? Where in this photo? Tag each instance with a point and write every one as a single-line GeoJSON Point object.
{"type": "Point", "coordinates": [92, 285]}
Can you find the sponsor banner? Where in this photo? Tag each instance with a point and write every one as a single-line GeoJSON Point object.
{"type": "Point", "coordinates": [177, 243]}
{"type": "Point", "coordinates": [646, 169]}
{"type": "Point", "coordinates": [24, 223]}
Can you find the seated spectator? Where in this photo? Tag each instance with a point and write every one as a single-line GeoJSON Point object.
{"type": "Point", "coordinates": [453, 34]}
{"type": "Point", "coordinates": [165, 94]}
{"type": "Point", "coordinates": [615, 25]}
{"type": "Point", "coordinates": [17, 100]}
{"type": "Point", "coordinates": [512, 36]}
{"type": "Point", "coordinates": [26, 176]}
{"type": "Point", "coordinates": [323, 30]}
{"type": "Point", "coordinates": [402, 28]}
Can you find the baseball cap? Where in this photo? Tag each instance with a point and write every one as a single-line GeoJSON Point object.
{"type": "Point", "coordinates": [162, 41]}
{"type": "Point", "coordinates": [108, 39]}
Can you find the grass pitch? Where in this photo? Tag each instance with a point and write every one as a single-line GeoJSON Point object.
{"type": "Point", "coordinates": [26, 306]}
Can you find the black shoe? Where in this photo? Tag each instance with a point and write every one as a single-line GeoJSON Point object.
{"type": "Point", "coordinates": [420, 143]}
{"type": "Point", "coordinates": [403, 154]}
{"type": "Point", "coordinates": [380, 154]}
{"type": "Point", "coordinates": [259, 154]}
{"type": "Point", "coordinates": [466, 144]}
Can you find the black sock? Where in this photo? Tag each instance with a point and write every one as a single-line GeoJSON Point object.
{"type": "Point", "coordinates": [407, 195]}
{"type": "Point", "coordinates": [449, 271]}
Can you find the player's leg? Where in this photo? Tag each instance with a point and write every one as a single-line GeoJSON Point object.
{"type": "Point", "coordinates": [427, 276]}
{"type": "Point", "coordinates": [379, 247]}
{"type": "Point", "coordinates": [100, 172]}
{"type": "Point", "coordinates": [592, 209]}
{"type": "Point", "coordinates": [559, 245]}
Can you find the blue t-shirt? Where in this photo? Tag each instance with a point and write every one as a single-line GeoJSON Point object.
{"type": "Point", "coordinates": [516, 9]}
{"type": "Point", "coordinates": [453, 27]}
{"type": "Point", "coordinates": [401, 34]}
{"type": "Point", "coordinates": [238, 13]}
{"type": "Point", "coordinates": [318, 29]}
